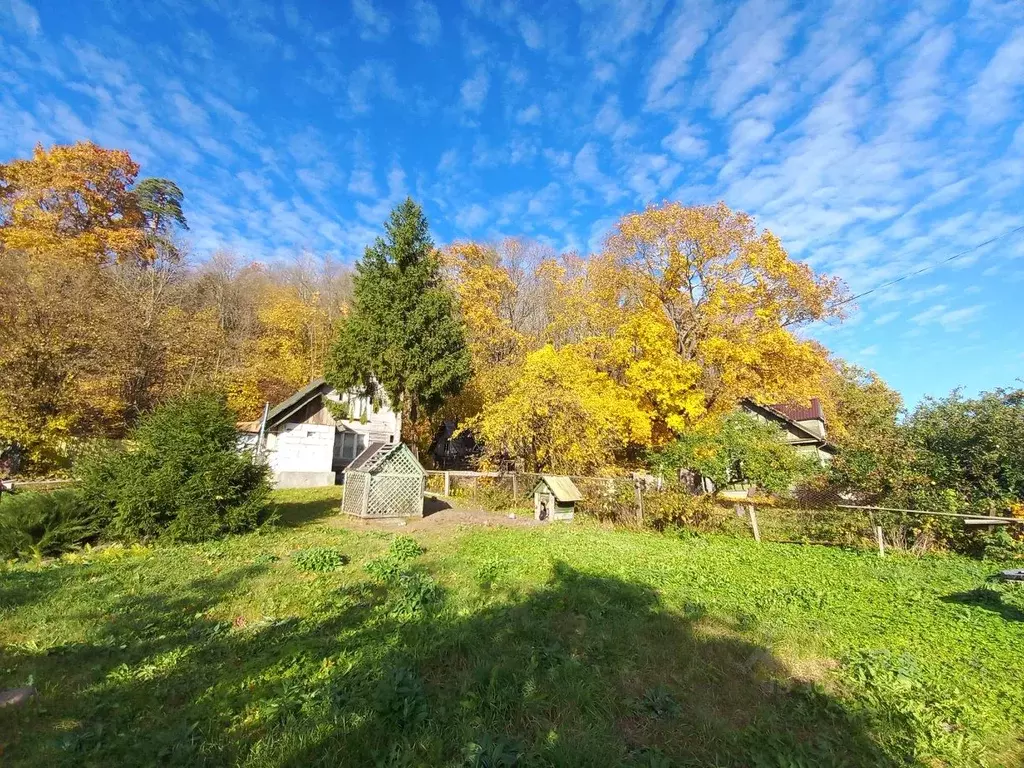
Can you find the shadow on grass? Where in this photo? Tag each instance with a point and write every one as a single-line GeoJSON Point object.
{"type": "Point", "coordinates": [301, 506]}
{"type": "Point", "coordinates": [587, 671]}
{"type": "Point", "coordinates": [987, 599]}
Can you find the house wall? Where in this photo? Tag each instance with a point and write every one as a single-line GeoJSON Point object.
{"type": "Point", "coordinates": [814, 426]}
{"type": "Point", "coordinates": [300, 455]}
{"type": "Point", "coordinates": [301, 451]}
{"type": "Point", "coordinates": [381, 424]}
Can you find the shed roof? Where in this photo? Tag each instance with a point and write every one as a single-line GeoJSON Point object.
{"type": "Point", "coordinates": [371, 456]}
{"type": "Point", "coordinates": [562, 487]}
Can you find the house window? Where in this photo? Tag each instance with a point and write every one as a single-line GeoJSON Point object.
{"type": "Point", "coordinates": [349, 445]}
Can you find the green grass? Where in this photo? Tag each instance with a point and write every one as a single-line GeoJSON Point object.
{"type": "Point", "coordinates": [560, 645]}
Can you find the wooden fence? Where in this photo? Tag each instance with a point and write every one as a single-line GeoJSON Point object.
{"type": "Point", "coordinates": [622, 500]}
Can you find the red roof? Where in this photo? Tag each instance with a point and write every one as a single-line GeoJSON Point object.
{"type": "Point", "coordinates": [798, 412]}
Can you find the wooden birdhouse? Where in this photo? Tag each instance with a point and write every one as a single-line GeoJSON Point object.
{"type": "Point", "coordinates": [554, 498]}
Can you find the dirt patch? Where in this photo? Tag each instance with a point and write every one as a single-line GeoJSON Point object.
{"type": "Point", "coordinates": [442, 514]}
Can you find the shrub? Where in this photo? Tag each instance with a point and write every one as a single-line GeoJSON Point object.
{"type": "Point", "coordinates": [400, 699]}
{"type": "Point", "coordinates": [319, 559]}
{"type": "Point", "coordinates": [676, 506]}
{"type": "Point", "coordinates": [738, 447]}
{"type": "Point", "coordinates": [33, 522]}
{"type": "Point", "coordinates": [181, 476]}
{"type": "Point", "coordinates": [404, 548]}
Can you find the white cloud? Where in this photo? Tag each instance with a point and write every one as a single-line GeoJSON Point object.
{"type": "Point", "coordinates": [361, 182]}
{"type": "Point", "coordinates": [948, 319]}
{"type": "Point", "coordinates": [609, 26]}
{"type": "Point", "coordinates": [609, 120]}
{"type": "Point", "coordinates": [474, 90]}
{"type": "Point", "coordinates": [684, 36]}
{"type": "Point", "coordinates": [528, 115]}
{"type": "Point", "coordinates": [374, 24]}
{"type": "Point", "coordinates": [685, 142]}
{"type": "Point", "coordinates": [448, 161]}
{"type": "Point", "coordinates": [378, 212]}
{"type": "Point", "coordinates": [25, 17]}
{"type": "Point", "coordinates": [887, 318]}
{"type": "Point", "coordinates": [372, 78]}
{"type": "Point", "coordinates": [426, 22]}
{"type": "Point", "coordinates": [992, 97]}
{"type": "Point", "coordinates": [558, 158]}
{"type": "Point", "coordinates": [586, 168]}
{"type": "Point", "coordinates": [531, 32]}
{"type": "Point", "coordinates": [649, 175]}
{"type": "Point", "coordinates": [471, 217]}
{"type": "Point", "coordinates": [748, 51]}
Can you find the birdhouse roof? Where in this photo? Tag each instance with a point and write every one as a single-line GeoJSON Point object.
{"type": "Point", "coordinates": [561, 487]}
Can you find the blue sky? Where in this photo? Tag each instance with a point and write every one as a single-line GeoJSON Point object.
{"type": "Point", "coordinates": [872, 137]}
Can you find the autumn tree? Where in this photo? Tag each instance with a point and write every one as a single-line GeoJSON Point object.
{"type": "Point", "coordinates": [404, 334]}
{"type": "Point", "coordinates": [732, 300]}
{"type": "Point", "coordinates": [73, 201]}
{"type": "Point", "coordinates": [561, 415]}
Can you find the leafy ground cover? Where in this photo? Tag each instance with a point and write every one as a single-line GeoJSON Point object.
{"type": "Point", "coordinates": [323, 643]}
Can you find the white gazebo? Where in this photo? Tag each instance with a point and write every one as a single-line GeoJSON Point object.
{"type": "Point", "coordinates": [385, 480]}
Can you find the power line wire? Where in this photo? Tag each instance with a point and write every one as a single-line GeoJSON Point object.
{"type": "Point", "coordinates": [930, 267]}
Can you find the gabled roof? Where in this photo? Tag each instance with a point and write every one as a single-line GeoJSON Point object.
{"type": "Point", "coordinates": [285, 408]}
{"type": "Point", "coordinates": [376, 453]}
{"type": "Point", "coordinates": [561, 487]}
{"type": "Point", "coordinates": [797, 412]}
{"type": "Point", "coordinates": [807, 435]}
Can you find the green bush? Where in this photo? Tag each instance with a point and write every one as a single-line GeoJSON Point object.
{"type": "Point", "coordinates": [33, 523]}
{"type": "Point", "coordinates": [319, 559]}
{"type": "Point", "coordinates": [389, 566]}
{"type": "Point", "coordinates": [181, 476]}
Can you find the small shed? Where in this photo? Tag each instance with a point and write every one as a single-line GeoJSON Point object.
{"type": "Point", "coordinates": [555, 497]}
{"type": "Point", "coordinates": [385, 480]}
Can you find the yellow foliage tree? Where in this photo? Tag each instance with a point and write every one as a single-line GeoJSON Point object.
{"type": "Point", "coordinates": [71, 202]}
{"type": "Point", "coordinates": [285, 355]}
{"type": "Point", "coordinates": [732, 298]}
{"type": "Point", "coordinates": [561, 415]}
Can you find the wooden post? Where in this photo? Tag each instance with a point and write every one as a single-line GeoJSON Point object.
{"type": "Point", "coordinates": [753, 523]}
{"type": "Point", "coordinates": [447, 484]}
{"type": "Point", "coordinates": [515, 485]}
{"type": "Point", "coordinates": [881, 541]}
{"type": "Point", "coordinates": [639, 501]}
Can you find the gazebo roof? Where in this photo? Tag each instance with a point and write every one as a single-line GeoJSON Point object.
{"type": "Point", "coordinates": [376, 453]}
{"type": "Point", "coordinates": [562, 487]}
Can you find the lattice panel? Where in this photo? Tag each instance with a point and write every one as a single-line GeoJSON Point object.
{"type": "Point", "coordinates": [401, 462]}
{"type": "Point", "coordinates": [395, 495]}
{"type": "Point", "coordinates": [352, 503]}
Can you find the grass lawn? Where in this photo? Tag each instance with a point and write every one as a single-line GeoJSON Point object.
{"type": "Point", "coordinates": [318, 644]}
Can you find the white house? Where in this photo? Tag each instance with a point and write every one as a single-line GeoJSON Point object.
{"type": "Point", "coordinates": [314, 434]}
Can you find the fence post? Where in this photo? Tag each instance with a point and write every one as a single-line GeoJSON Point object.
{"type": "Point", "coordinates": [515, 485]}
{"type": "Point", "coordinates": [637, 485]}
{"type": "Point", "coordinates": [753, 523]}
{"type": "Point", "coordinates": [881, 541]}
{"type": "Point", "coordinates": [447, 484]}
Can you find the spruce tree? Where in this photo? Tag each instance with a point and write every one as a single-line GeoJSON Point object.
{"type": "Point", "coordinates": [404, 334]}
